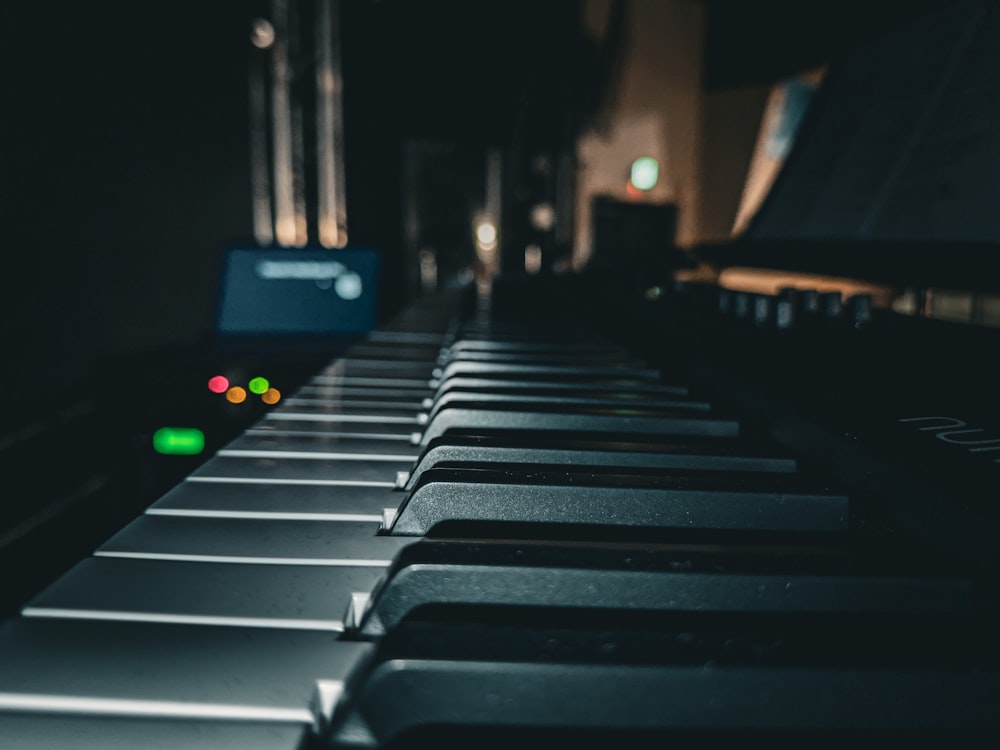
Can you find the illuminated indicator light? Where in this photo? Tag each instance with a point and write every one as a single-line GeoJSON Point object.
{"type": "Point", "coordinates": [262, 34]}
{"type": "Point", "coordinates": [218, 384]}
{"type": "Point", "coordinates": [258, 385]}
{"type": "Point", "coordinates": [271, 396]}
{"type": "Point", "coordinates": [179, 441]}
{"type": "Point", "coordinates": [486, 233]}
{"type": "Point", "coordinates": [348, 286]}
{"type": "Point", "coordinates": [645, 172]}
{"type": "Point", "coordinates": [236, 395]}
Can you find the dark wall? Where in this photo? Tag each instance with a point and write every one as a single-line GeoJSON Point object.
{"type": "Point", "coordinates": [126, 160]}
{"type": "Point", "coordinates": [761, 41]}
{"type": "Point", "coordinates": [125, 174]}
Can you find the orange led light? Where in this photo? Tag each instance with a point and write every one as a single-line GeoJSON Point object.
{"type": "Point", "coordinates": [236, 395]}
{"type": "Point", "coordinates": [271, 396]}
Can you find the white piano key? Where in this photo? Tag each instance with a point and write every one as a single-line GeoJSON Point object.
{"type": "Point", "coordinates": [171, 671]}
{"type": "Point", "coordinates": [278, 468]}
{"type": "Point", "coordinates": [339, 403]}
{"type": "Point", "coordinates": [312, 455]}
{"type": "Point", "coordinates": [320, 443]}
{"type": "Point", "coordinates": [267, 596]}
{"type": "Point", "coordinates": [33, 731]}
{"type": "Point", "coordinates": [331, 378]}
{"type": "Point", "coordinates": [329, 423]}
{"type": "Point", "coordinates": [305, 431]}
{"type": "Point", "coordinates": [275, 501]}
{"type": "Point", "coordinates": [387, 335]}
{"type": "Point", "coordinates": [357, 391]}
{"type": "Point", "coordinates": [313, 416]}
{"type": "Point", "coordinates": [240, 540]}
{"type": "Point", "coordinates": [348, 412]}
{"type": "Point", "coordinates": [361, 366]}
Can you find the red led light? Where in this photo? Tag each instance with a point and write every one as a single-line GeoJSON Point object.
{"type": "Point", "coordinates": [218, 384]}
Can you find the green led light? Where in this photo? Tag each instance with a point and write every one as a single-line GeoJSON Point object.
{"type": "Point", "coordinates": [645, 172]}
{"type": "Point", "coordinates": [258, 385]}
{"type": "Point", "coordinates": [179, 441]}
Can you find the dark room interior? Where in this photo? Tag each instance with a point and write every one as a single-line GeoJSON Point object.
{"type": "Point", "coordinates": [787, 203]}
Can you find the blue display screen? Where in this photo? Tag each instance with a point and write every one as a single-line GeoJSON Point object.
{"type": "Point", "coordinates": [298, 292]}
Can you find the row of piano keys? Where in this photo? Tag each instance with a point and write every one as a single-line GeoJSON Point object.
{"type": "Point", "coordinates": [467, 530]}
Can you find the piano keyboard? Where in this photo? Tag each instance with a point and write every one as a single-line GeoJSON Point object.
{"type": "Point", "coordinates": [468, 529]}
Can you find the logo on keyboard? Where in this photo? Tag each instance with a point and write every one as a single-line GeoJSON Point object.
{"type": "Point", "coordinates": [346, 283]}
{"type": "Point", "coordinates": [957, 432]}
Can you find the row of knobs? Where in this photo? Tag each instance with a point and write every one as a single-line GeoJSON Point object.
{"type": "Point", "coordinates": [792, 308]}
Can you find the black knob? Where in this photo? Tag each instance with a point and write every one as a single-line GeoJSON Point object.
{"type": "Point", "coordinates": [725, 301]}
{"type": "Point", "coordinates": [763, 309]}
{"type": "Point", "coordinates": [859, 310]}
{"type": "Point", "coordinates": [808, 301]}
{"type": "Point", "coordinates": [831, 304]}
{"type": "Point", "coordinates": [784, 314]}
{"type": "Point", "coordinates": [741, 305]}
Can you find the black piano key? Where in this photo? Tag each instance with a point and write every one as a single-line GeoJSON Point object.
{"type": "Point", "coordinates": [492, 421]}
{"type": "Point", "coordinates": [546, 372]}
{"type": "Point", "coordinates": [579, 351]}
{"type": "Point", "coordinates": [716, 455]}
{"type": "Point", "coordinates": [670, 578]}
{"type": "Point", "coordinates": [552, 686]}
{"type": "Point", "coordinates": [637, 389]}
{"type": "Point", "coordinates": [552, 356]}
{"type": "Point", "coordinates": [551, 402]}
{"type": "Point", "coordinates": [649, 503]}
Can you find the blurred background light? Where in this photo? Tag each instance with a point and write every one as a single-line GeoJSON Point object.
{"type": "Point", "coordinates": [645, 173]}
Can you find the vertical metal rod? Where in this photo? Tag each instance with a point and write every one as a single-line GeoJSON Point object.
{"type": "Point", "coordinates": [332, 209]}
{"type": "Point", "coordinates": [299, 175]}
{"type": "Point", "coordinates": [281, 113]}
{"type": "Point", "coordinates": [263, 229]}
